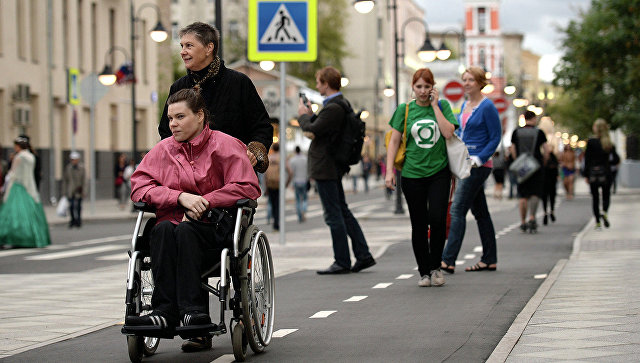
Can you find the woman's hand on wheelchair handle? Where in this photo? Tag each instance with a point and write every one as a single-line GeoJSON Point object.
{"type": "Point", "coordinates": [195, 204]}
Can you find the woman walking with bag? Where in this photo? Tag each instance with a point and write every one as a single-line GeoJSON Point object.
{"type": "Point", "coordinates": [598, 171]}
{"type": "Point", "coordinates": [423, 125]}
{"type": "Point", "coordinates": [481, 132]}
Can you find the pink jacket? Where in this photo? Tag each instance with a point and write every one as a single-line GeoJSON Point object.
{"type": "Point", "coordinates": [213, 165]}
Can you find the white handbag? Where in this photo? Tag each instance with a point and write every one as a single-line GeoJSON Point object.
{"type": "Point", "coordinates": [63, 207]}
{"type": "Point", "coordinates": [458, 155]}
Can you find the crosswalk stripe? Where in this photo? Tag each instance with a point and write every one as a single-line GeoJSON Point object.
{"type": "Point", "coordinates": [225, 358]}
{"type": "Point", "coordinates": [382, 285]}
{"type": "Point", "coordinates": [115, 257]}
{"type": "Point", "coordinates": [404, 277]}
{"type": "Point", "coordinates": [124, 237]}
{"type": "Point", "coordinates": [469, 256]}
{"type": "Point", "coordinates": [74, 253]}
{"type": "Point", "coordinates": [322, 314]}
{"type": "Point", "coordinates": [355, 298]}
{"type": "Point", "coordinates": [283, 332]}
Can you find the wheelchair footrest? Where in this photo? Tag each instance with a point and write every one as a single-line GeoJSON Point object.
{"type": "Point", "coordinates": [194, 331]}
{"type": "Point", "coordinates": [149, 331]}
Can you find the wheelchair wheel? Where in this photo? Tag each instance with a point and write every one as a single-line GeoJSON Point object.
{"type": "Point", "coordinates": [257, 290]}
{"type": "Point", "coordinates": [239, 342]}
{"type": "Point", "coordinates": [135, 346]}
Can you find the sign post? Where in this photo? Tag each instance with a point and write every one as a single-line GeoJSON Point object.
{"type": "Point", "coordinates": [284, 31]}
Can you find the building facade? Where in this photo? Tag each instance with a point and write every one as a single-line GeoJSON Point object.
{"type": "Point", "coordinates": [51, 53]}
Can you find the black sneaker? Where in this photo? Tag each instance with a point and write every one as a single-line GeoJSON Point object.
{"type": "Point", "coordinates": [196, 318]}
{"type": "Point", "coordinates": [545, 220]}
{"type": "Point", "coordinates": [154, 319]}
{"type": "Point", "coordinates": [533, 226]}
{"type": "Point", "coordinates": [197, 344]}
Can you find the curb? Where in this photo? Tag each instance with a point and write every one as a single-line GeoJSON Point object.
{"type": "Point", "coordinates": [510, 339]}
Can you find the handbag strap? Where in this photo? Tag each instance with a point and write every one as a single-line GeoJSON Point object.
{"type": "Point", "coordinates": [404, 133]}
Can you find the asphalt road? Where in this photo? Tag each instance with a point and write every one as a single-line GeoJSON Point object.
{"type": "Point", "coordinates": [462, 321]}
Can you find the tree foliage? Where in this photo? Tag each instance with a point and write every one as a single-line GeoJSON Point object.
{"type": "Point", "coordinates": [331, 43]}
{"type": "Point", "coordinates": [600, 71]}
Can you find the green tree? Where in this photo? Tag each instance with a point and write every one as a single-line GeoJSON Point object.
{"type": "Point", "coordinates": [600, 71]}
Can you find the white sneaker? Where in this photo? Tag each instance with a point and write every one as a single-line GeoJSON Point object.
{"type": "Point", "coordinates": [425, 281]}
{"type": "Point", "coordinates": [437, 278]}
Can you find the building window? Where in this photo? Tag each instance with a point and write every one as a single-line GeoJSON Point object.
{"type": "Point", "coordinates": [80, 32]}
{"type": "Point", "coordinates": [380, 28]}
{"type": "Point", "coordinates": [65, 34]}
{"type": "Point", "coordinates": [482, 20]}
{"type": "Point", "coordinates": [20, 30]}
{"type": "Point", "coordinates": [35, 31]}
{"type": "Point", "coordinates": [174, 30]}
{"type": "Point", "coordinates": [481, 58]}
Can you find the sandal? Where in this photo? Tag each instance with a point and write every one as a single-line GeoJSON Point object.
{"type": "Point", "coordinates": [447, 268]}
{"type": "Point", "coordinates": [478, 267]}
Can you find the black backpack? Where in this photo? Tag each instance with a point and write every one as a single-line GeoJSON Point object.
{"type": "Point", "coordinates": [347, 146]}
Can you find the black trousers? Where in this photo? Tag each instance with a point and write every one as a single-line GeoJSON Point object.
{"type": "Point", "coordinates": [427, 199]}
{"type": "Point", "coordinates": [595, 198]}
{"type": "Point", "coordinates": [178, 258]}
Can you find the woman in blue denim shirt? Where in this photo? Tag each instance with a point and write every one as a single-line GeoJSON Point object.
{"type": "Point", "coordinates": [481, 132]}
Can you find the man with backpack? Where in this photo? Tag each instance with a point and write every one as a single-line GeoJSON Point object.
{"type": "Point", "coordinates": [328, 127]}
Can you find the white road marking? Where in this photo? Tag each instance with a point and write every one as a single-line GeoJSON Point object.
{"type": "Point", "coordinates": [540, 276]}
{"type": "Point", "coordinates": [124, 237]}
{"type": "Point", "coordinates": [322, 314]}
{"type": "Point", "coordinates": [404, 277]}
{"type": "Point", "coordinates": [117, 257]}
{"type": "Point", "coordinates": [460, 262]}
{"type": "Point", "coordinates": [74, 253]}
{"type": "Point", "coordinates": [469, 256]}
{"type": "Point", "coordinates": [415, 268]}
{"type": "Point", "coordinates": [17, 251]}
{"type": "Point", "coordinates": [355, 298]}
{"type": "Point", "coordinates": [477, 249]}
{"type": "Point", "coordinates": [226, 358]}
{"type": "Point", "coordinates": [283, 332]}
{"type": "Point", "coordinates": [382, 285]}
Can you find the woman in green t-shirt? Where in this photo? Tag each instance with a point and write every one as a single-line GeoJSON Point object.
{"type": "Point", "coordinates": [426, 178]}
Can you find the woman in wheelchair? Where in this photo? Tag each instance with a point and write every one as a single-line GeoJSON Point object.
{"type": "Point", "coordinates": [184, 176]}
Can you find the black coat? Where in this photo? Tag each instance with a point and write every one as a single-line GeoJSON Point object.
{"type": "Point", "coordinates": [234, 105]}
{"type": "Point", "coordinates": [324, 126]}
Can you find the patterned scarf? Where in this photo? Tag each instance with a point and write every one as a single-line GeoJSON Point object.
{"type": "Point", "coordinates": [197, 77]}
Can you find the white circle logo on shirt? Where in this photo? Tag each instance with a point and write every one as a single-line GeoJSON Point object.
{"type": "Point", "coordinates": [425, 133]}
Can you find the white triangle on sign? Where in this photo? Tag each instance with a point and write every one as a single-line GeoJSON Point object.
{"type": "Point", "coordinates": [282, 29]}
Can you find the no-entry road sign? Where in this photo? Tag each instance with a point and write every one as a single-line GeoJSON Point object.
{"type": "Point", "coordinates": [453, 91]}
{"type": "Point", "coordinates": [501, 104]}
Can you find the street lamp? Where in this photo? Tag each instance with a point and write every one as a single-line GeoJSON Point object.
{"type": "Point", "coordinates": [363, 6]}
{"type": "Point", "coordinates": [108, 77]}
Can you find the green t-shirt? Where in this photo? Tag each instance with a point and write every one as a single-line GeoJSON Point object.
{"type": "Point", "coordinates": [426, 148]}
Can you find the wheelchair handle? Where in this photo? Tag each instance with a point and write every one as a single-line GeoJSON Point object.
{"type": "Point", "coordinates": [142, 206]}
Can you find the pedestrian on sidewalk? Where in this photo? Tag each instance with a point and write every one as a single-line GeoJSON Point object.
{"type": "Point", "coordinates": [550, 186]}
{"type": "Point", "coordinates": [234, 105]}
{"type": "Point", "coordinates": [74, 188]}
{"type": "Point", "coordinates": [614, 162]}
{"type": "Point", "coordinates": [598, 170]}
{"type": "Point", "coordinates": [568, 163]}
{"type": "Point", "coordinates": [355, 172]}
{"type": "Point", "coordinates": [481, 131]}
{"type": "Point", "coordinates": [22, 219]}
{"type": "Point", "coordinates": [272, 179]}
{"type": "Point", "coordinates": [426, 178]}
{"type": "Point", "coordinates": [165, 179]}
{"type": "Point", "coordinates": [119, 184]}
{"type": "Point", "coordinates": [328, 175]}
{"type": "Point", "coordinates": [529, 139]}
{"type": "Point", "coordinates": [499, 168]}
{"type": "Point", "coordinates": [366, 171]}
{"type": "Point", "coordinates": [301, 185]}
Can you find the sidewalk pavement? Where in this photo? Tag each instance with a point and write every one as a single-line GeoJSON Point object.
{"type": "Point", "coordinates": [587, 309]}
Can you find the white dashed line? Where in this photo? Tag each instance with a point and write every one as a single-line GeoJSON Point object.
{"type": "Point", "coordinates": [469, 256]}
{"type": "Point", "coordinates": [540, 276]}
{"type": "Point", "coordinates": [404, 277]}
{"type": "Point", "coordinates": [460, 262]}
{"type": "Point", "coordinates": [283, 332]}
{"type": "Point", "coordinates": [226, 358]}
{"type": "Point", "coordinates": [322, 314]}
{"type": "Point", "coordinates": [477, 249]}
{"type": "Point", "coordinates": [415, 268]}
{"type": "Point", "coordinates": [355, 298]}
{"type": "Point", "coordinates": [382, 285]}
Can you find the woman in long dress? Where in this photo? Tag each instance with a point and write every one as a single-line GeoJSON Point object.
{"type": "Point", "coordinates": [22, 219]}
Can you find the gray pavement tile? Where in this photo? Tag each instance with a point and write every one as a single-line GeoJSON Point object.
{"type": "Point", "coordinates": [12, 344]}
{"type": "Point", "coordinates": [27, 335]}
{"type": "Point", "coordinates": [573, 344]}
{"type": "Point", "coordinates": [630, 338]}
{"type": "Point", "coordinates": [570, 354]}
{"type": "Point", "coordinates": [581, 324]}
{"type": "Point", "coordinates": [551, 314]}
{"type": "Point", "coordinates": [568, 334]}
{"type": "Point", "coordinates": [628, 348]}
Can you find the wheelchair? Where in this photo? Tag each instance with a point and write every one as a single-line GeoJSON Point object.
{"type": "Point", "coordinates": [246, 267]}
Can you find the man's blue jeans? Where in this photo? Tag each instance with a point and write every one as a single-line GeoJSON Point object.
{"type": "Point", "coordinates": [470, 195]}
{"type": "Point", "coordinates": [341, 222]}
{"type": "Point", "coordinates": [301, 199]}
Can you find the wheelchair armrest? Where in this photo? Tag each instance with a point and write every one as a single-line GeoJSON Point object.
{"type": "Point", "coordinates": [247, 203]}
{"type": "Point", "coordinates": [144, 207]}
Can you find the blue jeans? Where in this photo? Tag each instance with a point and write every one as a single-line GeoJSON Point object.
{"type": "Point", "coordinates": [341, 222]}
{"type": "Point", "coordinates": [75, 210]}
{"type": "Point", "coordinates": [301, 199]}
{"type": "Point", "coordinates": [470, 195]}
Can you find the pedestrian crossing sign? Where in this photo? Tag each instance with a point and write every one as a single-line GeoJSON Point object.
{"type": "Point", "coordinates": [282, 31]}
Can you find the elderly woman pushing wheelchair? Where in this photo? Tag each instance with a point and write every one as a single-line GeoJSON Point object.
{"type": "Point", "coordinates": [185, 175]}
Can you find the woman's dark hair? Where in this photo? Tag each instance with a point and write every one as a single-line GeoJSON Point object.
{"type": "Point", "coordinates": [205, 33]}
{"type": "Point", "coordinates": [22, 141]}
{"type": "Point", "coordinates": [193, 99]}
{"type": "Point", "coordinates": [330, 76]}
